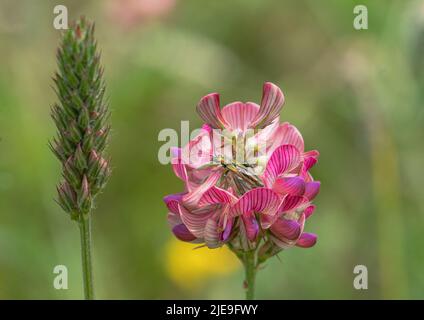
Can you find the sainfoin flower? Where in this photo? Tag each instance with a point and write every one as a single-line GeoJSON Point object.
{"type": "Point", "coordinates": [246, 181]}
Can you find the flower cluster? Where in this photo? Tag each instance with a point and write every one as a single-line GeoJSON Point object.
{"type": "Point", "coordinates": [246, 177]}
{"type": "Point", "coordinates": [81, 118]}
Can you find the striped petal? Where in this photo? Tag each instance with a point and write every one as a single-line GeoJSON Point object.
{"type": "Point", "coordinates": [209, 110]}
{"type": "Point", "coordinates": [307, 240]}
{"type": "Point", "coordinates": [286, 230]}
{"type": "Point", "coordinates": [182, 233]}
{"type": "Point", "coordinates": [271, 104]}
{"type": "Point", "coordinates": [216, 195]}
{"type": "Point", "coordinates": [177, 164]}
{"type": "Point", "coordinates": [195, 222]}
{"type": "Point", "coordinates": [312, 189]}
{"type": "Point", "coordinates": [191, 199]}
{"type": "Point", "coordinates": [308, 163]}
{"type": "Point", "coordinates": [198, 152]}
{"type": "Point", "coordinates": [311, 154]}
{"type": "Point", "coordinates": [174, 219]}
{"type": "Point", "coordinates": [260, 200]}
{"type": "Point", "coordinates": [286, 133]}
{"type": "Point", "coordinates": [172, 201]}
{"type": "Point", "coordinates": [310, 158]}
{"type": "Point", "coordinates": [291, 202]}
{"type": "Point", "coordinates": [282, 160]}
{"type": "Point", "coordinates": [251, 225]}
{"type": "Point", "coordinates": [289, 185]}
{"type": "Point", "coordinates": [211, 234]}
{"type": "Point", "coordinates": [239, 115]}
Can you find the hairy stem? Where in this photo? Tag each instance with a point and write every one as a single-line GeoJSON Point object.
{"type": "Point", "coordinates": [87, 266]}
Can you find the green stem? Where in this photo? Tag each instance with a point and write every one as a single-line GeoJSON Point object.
{"type": "Point", "coordinates": [87, 266]}
{"type": "Point", "coordinates": [250, 274]}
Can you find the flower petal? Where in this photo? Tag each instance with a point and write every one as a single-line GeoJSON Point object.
{"type": "Point", "coordinates": [309, 211]}
{"type": "Point", "coordinates": [227, 230]}
{"type": "Point", "coordinates": [191, 199]}
{"type": "Point", "coordinates": [178, 165]}
{"type": "Point", "coordinates": [289, 185]}
{"type": "Point", "coordinates": [311, 154]}
{"type": "Point", "coordinates": [291, 202]}
{"type": "Point", "coordinates": [195, 222]}
{"type": "Point", "coordinates": [271, 104]}
{"type": "Point", "coordinates": [287, 133]}
{"type": "Point", "coordinates": [182, 233]}
{"type": "Point", "coordinates": [198, 151]}
{"type": "Point", "coordinates": [312, 189]}
{"type": "Point", "coordinates": [173, 219]}
{"type": "Point", "coordinates": [172, 201]}
{"type": "Point", "coordinates": [251, 225]}
{"type": "Point", "coordinates": [209, 110]}
{"type": "Point", "coordinates": [283, 159]}
{"type": "Point", "coordinates": [306, 240]}
{"type": "Point", "coordinates": [239, 115]}
{"type": "Point", "coordinates": [286, 229]}
{"type": "Point", "coordinates": [261, 200]}
{"type": "Point", "coordinates": [211, 234]}
{"type": "Point", "coordinates": [217, 195]}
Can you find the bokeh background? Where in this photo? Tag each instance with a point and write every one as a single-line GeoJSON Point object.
{"type": "Point", "coordinates": [357, 96]}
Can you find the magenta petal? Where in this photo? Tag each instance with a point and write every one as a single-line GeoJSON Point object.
{"type": "Point", "coordinates": [239, 115]}
{"type": "Point", "coordinates": [251, 225]}
{"type": "Point", "coordinates": [282, 160]}
{"type": "Point", "coordinates": [182, 233]}
{"type": "Point", "coordinates": [311, 154]}
{"type": "Point", "coordinates": [271, 104]}
{"type": "Point", "coordinates": [192, 199]}
{"type": "Point", "coordinates": [306, 240]}
{"type": "Point", "coordinates": [209, 110]}
{"type": "Point", "coordinates": [217, 195]}
{"type": "Point", "coordinates": [267, 220]}
{"type": "Point", "coordinates": [291, 202]}
{"type": "Point", "coordinates": [294, 186]}
{"type": "Point", "coordinates": [227, 230]}
{"type": "Point", "coordinates": [195, 222]}
{"type": "Point", "coordinates": [286, 229]}
{"type": "Point", "coordinates": [308, 163]}
{"type": "Point", "coordinates": [261, 200]}
{"type": "Point", "coordinates": [312, 189]}
{"type": "Point", "coordinates": [172, 201]}
{"type": "Point", "coordinates": [309, 211]}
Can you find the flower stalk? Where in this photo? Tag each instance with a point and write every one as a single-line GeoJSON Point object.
{"type": "Point", "coordinates": [87, 265]}
{"type": "Point", "coordinates": [249, 262]}
{"type": "Point", "coordinates": [81, 117]}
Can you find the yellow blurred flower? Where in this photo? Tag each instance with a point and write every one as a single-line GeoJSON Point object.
{"type": "Point", "coordinates": [189, 268]}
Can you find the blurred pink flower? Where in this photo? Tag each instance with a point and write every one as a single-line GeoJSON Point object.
{"type": "Point", "coordinates": [129, 13]}
{"type": "Point", "coordinates": [265, 196]}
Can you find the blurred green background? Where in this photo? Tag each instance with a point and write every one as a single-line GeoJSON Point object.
{"type": "Point", "coordinates": [356, 96]}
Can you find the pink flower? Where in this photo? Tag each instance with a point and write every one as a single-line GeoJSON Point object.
{"type": "Point", "coordinates": [246, 179]}
{"type": "Point", "coordinates": [130, 13]}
